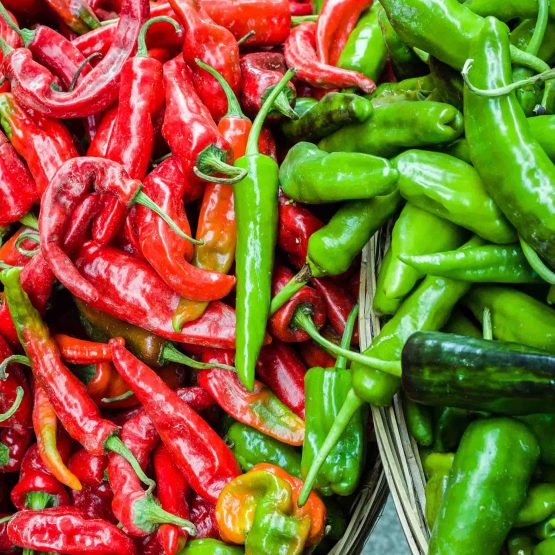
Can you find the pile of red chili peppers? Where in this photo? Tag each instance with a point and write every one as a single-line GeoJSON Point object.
{"type": "Point", "coordinates": [152, 400]}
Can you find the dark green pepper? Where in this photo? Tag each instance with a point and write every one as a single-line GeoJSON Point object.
{"type": "Point", "coordinates": [365, 49]}
{"type": "Point", "coordinates": [449, 426]}
{"type": "Point", "coordinates": [394, 127]}
{"type": "Point", "coordinates": [209, 546]}
{"type": "Point", "coordinates": [451, 189]}
{"type": "Point", "coordinates": [543, 427]}
{"type": "Point", "coordinates": [460, 324]}
{"type": "Point", "coordinates": [414, 89]}
{"type": "Point", "coordinates": [487, 485]}
{"type": "Point", "coordinates": [539, 504]}
{"type": "Point", "coordinates": [419, 422]}
{"type": "Point", "coordinates": [416, 231]}
{"type": "Point", "coordinates": [332, 112]}
{"type": "Point", "coordinates": [303, 104]}
{"type": "Point", "coordinates": [546, 529]}
{"type": "Point", "coordinates": [448, 83]}
{"type": "Point", "coordinates": [252, 447]}
{"type": "Point", "coordinates": [313, 176]}
{"type": "Point", "coordinates": [520, 544]}
{"type": "Point", "coordinates": [437, 467]}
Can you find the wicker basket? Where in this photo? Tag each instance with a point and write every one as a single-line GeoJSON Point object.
{"type": "Point", "coordinates": [398, 451]}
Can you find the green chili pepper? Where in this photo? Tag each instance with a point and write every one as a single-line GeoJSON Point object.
{"type": "Point", "coordinates": [419, 422]}
{"type": "Point", "coordinates": [460, 324]}
{"type": "Point", "coordinates": [427, 308]}
{"type": "Point", "coordinates": [546, 547]}
{"type": "Point", "coordinates": [313, 176]}
{"type": "Point", "coordinates": [252, 447]}
{"type": "Point", "coordinates": [523, 32]}
{"type": "Point", "coordinates": [394, 127]}
{"type": "Point", "coordinates": [485, 263]}
{"type": "Point", "coordinates": [209, 546]}
{"type": "Point", "coordinates": [543, 427]}
{"type": "Point", "coordinates": [437, 467]}
{"type": "Point", "coordinates": [546, 529]}
{"type": "Point", "coordinates": [256, 210]}
{"type": "Point", "coordinates": [449, 426]}
{"type": "Point", "coordinates": [508, 9]}
{"type": "Point", "coordinates": [451, 189]}
{"type": "Point", "coordinates": [415, 232]}
{"type": "Point", "coordinates": [516, 316]}
{"type": "Point", "coordinates": [403, 59]}
{"type": "Point", "coordinates": [487, 485]}
{"type": "Point", "coordinates": [332, 112]}
{"type": "Point", "coordinates": [326, 390]}
{"type": "Point", "coordinates": [303, 104]}
{"type": "Point", "coordinates": [519, 544]}
{"type": "Point", "coordinates": [515, 170]}
{"type": "Point", "coordinates": [365, 50]}
{"type": "Point", "coordinates": [539, 504]}
{"type": "Point", "coordinates": [448, 83]}
{"type": "Point", "coordinates": [413, 89]}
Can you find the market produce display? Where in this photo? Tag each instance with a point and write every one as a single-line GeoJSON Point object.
{"type": "Point", "coordinates": [185, 192]}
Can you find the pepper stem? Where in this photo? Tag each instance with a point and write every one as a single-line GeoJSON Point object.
{"type": "Point", "coordinates": [539, 29]}
{"type": "Point", "coordinates": [8, 19]}
{"type": "Point", "coordinates": [145, 200]}
{"type": "Point", "coordinates": [30, 220]}
{"type": "Point", "coordinates": [118, 398]}
{"type": "Point", "coordinates": [27, 236]}
{"type": "Point", "coordinates": [283, 106]}
{"type": "Point", "coordinates": [80, 69]}
{"type": "Point", "coordinates": [537, 263]}
{"type": "Point", "coordinates": [19, 393]}
{"type": "Point", "coordinates": [351, 404]}
{"type": "Point", "coordinates": [171, 354]}
{"type": "Point", "coordinates": [5, 47]}
{"type": "Point", "coordinates": [246, 37]}
{"type": "Point", "coordinates": [19, 359]}
{"type": "Point", "coordinates": [524, 59]}
{"type": "Point", "coordinates": [142, 50]}
{"type": "Point", "coordinates": [38, 500]}
{"type": "Point", "coordinates": [296, 283]}
{"type": "Point", "coordinates": [298, 19]}
{"type": "Point", "coordinates": [254, 135]}
{"type": "Point", "coordinates": [341, 361]}
{"type": "Point", "coordinates": [487, 328]}
{"type": "Point", "coordinates": [116, 445]}
{"type": "Point", "coordinates": [303, 320]}
{"type": "Point", "coordinates": [233, 106]}
{"type": "Point", "coordinates": [213, 160]}
{"type": "Point", "coordinates": [148, 513]}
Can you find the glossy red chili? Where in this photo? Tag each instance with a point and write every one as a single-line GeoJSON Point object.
{"type": "Point", "coordinates": [17, 440]}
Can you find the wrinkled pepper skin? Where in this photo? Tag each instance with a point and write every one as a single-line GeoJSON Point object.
{"type": "Point", "coordinates": [394, 127]}
{"type": "Point", "coordinates": [516, 171]}
{"type": "Point", "coordinates": [487, 485]}
{"type": "Point", "coordinates": [313, 176]}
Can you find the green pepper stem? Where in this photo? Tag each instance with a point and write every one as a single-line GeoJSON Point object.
{"type": "Point", "coordinates": [296, 283]}
{"type": "Point", "coordinates": [142, 50]}
{"type": "Point", "coordinates": [246, 37]}
{"type": "Point", "coordinates": [116, 445]}
{"type": "Point", "coordinates": [304, 321]}
{"type": "Point", "coordinates": [298, 19]}
{"type": "Point", "coordinates": [88, 17]}
{"type": "Point", "coordinates": [213, 160]}
{"type": "Point", "coordinates": [30, 220]}
{"type": "Point", "coordinates": [252, 141]}
{"type": "Point", "coordinates": [118, 398]}
{"type": "Point", "coordinates": [282, 105]}
{"type": "Point", "coordinates": [537, 263]}
{"type": "Point", "coordinates": [341, 361]}
{"type": "Point", "coordinates": [524, 59]}
{"type": "Point", "coordinates": [150, 512]}
{"type": "Point", "coordinates": [171, 354]}
{"type": "Point", "coordinates": [6, 519]}
{"type": "Point", "coordinates": [487, 327]}
{"type": "Point", "coordinates": [141, 198]}
{"type": "Point", "coordinates": [27, 236]}
{"type": "Point", "coordinates": [18, 359]}
{"type": "Point", "coordinates": [81, 67]}
{"type": "Point", "coordinates": [19, 393]}
{"type": "Point", "coordinates": [38, 500]}
{"type": "Point", "coordinates": [539, 29]}
{"type": "Point", "coordinates": [351, 404]}
{"type": "Point", "coordinates": [9, 21]}
{"type": "Point", "coordinates": [233, 106]}
{"type": "Point", "coordinates": [5, 47]}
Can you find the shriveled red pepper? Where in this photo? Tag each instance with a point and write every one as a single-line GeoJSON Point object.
{"type": "Point", "coordinates": [18, 191]}
{"type": "Point", "coordinates": [45, 424]}
{"type": "Point", "coordinates": [260, 409]}
{"type": "Point", "coordinates": [133, 292]}
{"type": "Point", "coordinates": [315, 356]}
{"type": "Point", "coordinates": [260, 71]}
{"type": "Point", "coordinates": [215, 46]}
{"type": "Point", "coordinates": [281, 369]}
{"type": "Point", "coordinates": [65, 530]}
{"type": "Point", "coordinates": [282, 323]}
{"type": "Point", "coordinates": [335, 23]}
{"type": "Point", "coordinates": [189, 128]}
{"type": "Point", "coordinates": [205, 460]}
{"type": "Point", "coordinates": [31, 82]}
{"type": "Point", "coordinates": [203, 516]}
{"type": "Point", "coordinates": [172, 492]}
{"type": "Point", "coordinates": [135, 508]}
{"type": "Point", "coordinates": [300, 53]}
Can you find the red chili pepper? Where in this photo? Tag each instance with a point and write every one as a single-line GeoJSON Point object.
{"type": "Point", "coordinates": [65, 530]}
{"type": "Point", "coordinates": [338, 304]}
{"type": "Point", "coordinates": [296, 225]}
{"type": "Point", "coordinates": [260, 71]}
{"type": "Point", "coordinates": [132, 291]}
{"type": "Point", "coordinates": [203, 457]}
{"type": "Point", "coordinates": [11, 252]}
{"type": "Point", "coordinates": [6, 546]}
{"type": "Point", "coordinates": [281, 322]}
{"type": "Point", "coordinates": [37, 488]}
{"type": "Point", "coordinates": [18, 191]}
{"type": "Point", "coordinates": [189, 128]}
{"type": "Point", "coordinates": [215, 46]}
{"type": "Point", "coordinates": [203, 516]}
{"type": "Point", "coordinates": [335, 23]}
{"type": "Point", "coordinates": [96, 41]}
{"type": "Point", "coordinates": [29, 9]}
{"type": "Point", "coordinates": [280, 368]}
{"type": "Point", "coordinates": [76, 15]}
{"type": "Point", "coordinates": [31, 82]}
{"type": "Point", "coordinates": [300, 53]}
{"type": "Point", "coordinates": [13, 40]}
{"type": "Point", "coordinates": [300, 8]}
{"type": "Point", "coordinates": [172, 493]}
{"type": "Point", "coordinates": [88, 468]}
{"type": "Point", "coordinates": [81, 351]}
{"type": "Point", "coordinates": [314, 356]}
{"type": "Point", "coordinates": [17, 440]}
{"type": "Point", "coordinates": [95, 502]}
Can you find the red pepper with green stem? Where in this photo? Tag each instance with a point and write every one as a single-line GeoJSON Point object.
{"type": "Point", "coordinates": [172, 492]}
{"type": "Point", "coordinates": [11, 251]}
{"type": "Point", "coordinates": [65, 530]}
{"type": "Point", "coordinates": [260, 71]}
{"type": "Point", "coordinates": [300, 52]}
{"type": "Point", "coordinates": [215, 46]}
{"type": "Point", "coordinates": [75, 409]}
{"type": "Point", "coordinates": [77, 16]}
{"type": "Point", "coordinates": [6, 546]}
{"type": "Point", "coordinates": [189, 129]}
{"type": "Point", "coordinates": [202, 456]}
